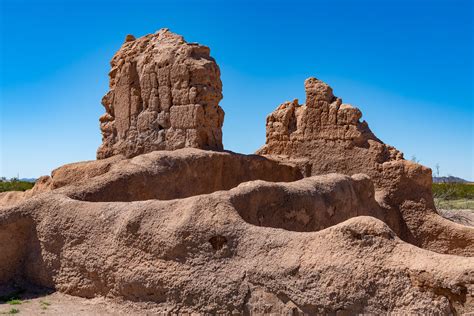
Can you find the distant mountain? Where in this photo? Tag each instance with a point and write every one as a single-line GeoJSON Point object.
{"type": "Point", "coordinates": [449, 179]}
{"type": "Point", "coordinates": [32, 180]}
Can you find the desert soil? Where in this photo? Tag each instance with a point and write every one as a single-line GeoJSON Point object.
{"type": "Point", "coordinates": [62, 304]}
{"type": "Point", "coordinates": [461, 216]}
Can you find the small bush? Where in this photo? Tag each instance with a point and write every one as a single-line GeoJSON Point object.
{"type": "Point", "coordinates": [453, 191]}
{"type": "Point", "coordinates": [15, 185]}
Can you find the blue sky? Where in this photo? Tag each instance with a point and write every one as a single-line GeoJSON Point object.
{"type": "Point", "coordinates": [408, 65]}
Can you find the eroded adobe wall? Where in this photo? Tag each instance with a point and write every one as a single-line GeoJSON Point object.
{"type": "Point", "coordinates": [164, 95]}
{"type": "Point", "coordinates": [214, 247]}
{"type": "Point", "coordinates": [326, 135]}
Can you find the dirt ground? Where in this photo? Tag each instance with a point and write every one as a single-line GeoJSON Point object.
{"type": "Point", "coordinates": [62, 304]}
{"type": "Point", "coordinates": [40, 302]}
{"type": "Point", "coordinates": [461, 216]}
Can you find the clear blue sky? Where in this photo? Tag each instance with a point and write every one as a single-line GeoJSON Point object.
{"type": "Point", "coordinates": [408, 65]}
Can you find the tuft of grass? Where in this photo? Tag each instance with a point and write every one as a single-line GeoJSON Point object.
{"type": "Point", "coordinates": [13, 311]}
{"type": "Point", "coordinates": [15, 295]}
{"type": "Point", "coordinates": [44, 304]}
{"type": "Point", "coordinates": [14, 302]}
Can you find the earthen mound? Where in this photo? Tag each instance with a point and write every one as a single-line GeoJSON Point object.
{"type": "Point", "coordinates": [259, 247]}
{"type": "Point", "coordinates": [325, 135]}
{"type": "Point", "coordinates": [326, 219]}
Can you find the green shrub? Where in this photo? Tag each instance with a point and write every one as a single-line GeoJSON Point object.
{"type": "Point", "coordinates": [15, 185]}
{"type": "Point", "coordinates": [453, 191]}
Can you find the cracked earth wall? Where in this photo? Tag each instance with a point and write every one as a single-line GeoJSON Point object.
{"type": "Point", "coordinates": [164, 95]}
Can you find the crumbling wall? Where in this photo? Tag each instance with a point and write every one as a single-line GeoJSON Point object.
{"type": "Point", "coordinates": [164, 95]}
{"type": "Point", "coordinates": [326, 135]}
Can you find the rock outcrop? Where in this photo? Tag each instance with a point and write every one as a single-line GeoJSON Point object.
{"type": "Point", "coordinates": [164, 95]}
{"type": "Point", "coordinates": [326, 220]}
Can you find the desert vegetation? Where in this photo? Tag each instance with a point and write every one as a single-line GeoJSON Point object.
{"type": "Point", "coordinates": [14, 184]}
{"type": "Point", "coordinates": [18, 302]}
{"type": "Point", "coordinates": [454, 195]}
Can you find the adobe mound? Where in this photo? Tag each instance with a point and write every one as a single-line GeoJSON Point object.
{"type": "Point", "coordinates": [327, 221]}
{"type": "Point", "coordinates": [249, 249]}
{"type": "Point", "coordinates": [325, 135]}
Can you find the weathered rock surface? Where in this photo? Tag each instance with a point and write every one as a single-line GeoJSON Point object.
{"type": "Point", "coordinates": [259, 247]}
{"type": "Point", "coordinates": [325, 135]}
{"type": "Point", "coordinates": [9, 198]}
{"type": "Point", "coordinates": [65, 175]}
{"type": "Point", "coordinates": [163, 175]}
{"type": "Point", "coordinates": [164, 95]}
{"type": "Point", "coordinates": [329, 220]}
